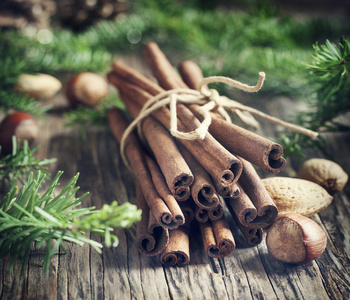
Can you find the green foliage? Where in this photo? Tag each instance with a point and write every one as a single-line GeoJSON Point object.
{"type": "Point", "coordinates": [330, 78]}
{"type": "Point", "coordinates": [330, 70]}
{"type": "Point", "coordinates": [12, 65]}
{"type": "Point", "coordinates": [48, 220]}
{"type": "Point", "coordinates": [33, 216]}
{"type": "Point", "coordinates": [95, 116]}
{"type": "Point", "coordinates": [223, 41]}
{"type": "Point", "coordinates": [20, 162]}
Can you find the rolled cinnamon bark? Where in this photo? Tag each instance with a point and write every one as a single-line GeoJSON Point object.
{"type": "Point", "coordinates": [217, 238]}
{"type": "Point", "coordinates": [151, 238]}
{"type": "Point", "coordinates": [161, 67]}
{"type": "Point", "coordinates": [177, 252]}
{"type": "Point", "coordinates": [165, 194]}
{"type": "Point", "coordinates": [174, 168]}
{"type": "Point", "coordinates": [130, 75]}
{"type": "Point", "coordinates": [216, 213]}
{"type": "Point", "coordinates": [169, 79]}
{"type": "Point", "coordinates": [201, 215]}
{"type": "Point", "coordinates": [260, 151]}
{"type": "Point", "coordinates": [224, 174]}
{"type": "Point", "coordinates": [253, 236]}
{"type": "Point", "coordinates": [242, 209]}
{"type": "Point", "coordinates": [202, 189]}
{"type": "Point", "coordinates": [231, 191]}
{"type": "Point", "coordinates": [266, 209]}
{"type": "Point", "coordinates": [187, 208]}
{"type": "Point", "coordinates": [134, 153]}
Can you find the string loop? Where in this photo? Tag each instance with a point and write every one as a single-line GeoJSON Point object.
{"type": "Point", "coordinates": [208, 99]}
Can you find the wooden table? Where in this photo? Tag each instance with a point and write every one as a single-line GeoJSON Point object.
{"type": "Point", "coordinates": [123, 273]}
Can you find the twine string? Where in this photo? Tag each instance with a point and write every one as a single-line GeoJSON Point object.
{"type": "Point", "coordinates": [208, 99]}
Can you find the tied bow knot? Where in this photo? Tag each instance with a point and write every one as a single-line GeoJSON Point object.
{"type": "Point", "coordinates": [209, 99]}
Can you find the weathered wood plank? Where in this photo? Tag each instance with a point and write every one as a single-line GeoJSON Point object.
{"type": "Point", "coordinates": [123, 273]}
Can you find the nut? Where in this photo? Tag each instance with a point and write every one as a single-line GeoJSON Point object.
{"type": "Point", "coordinates": [295, 239]}
{"type": "Point", "coordinates": [39, 86]}
{"type": "Point", "coordinates": [19, 124]}
{"type": "Point", "coordinates": [326, 173]}
{"type": "Point", "coordinates": [294, 195]}
{"type": "Point", "coordinates": [87, 89]}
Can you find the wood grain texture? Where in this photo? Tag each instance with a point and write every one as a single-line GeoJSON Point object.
{"type": "Point", "coordinates": [122, 273]}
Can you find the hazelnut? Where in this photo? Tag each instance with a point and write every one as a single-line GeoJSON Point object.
{"type": "Point", "coordinates": [19, 124]}
{"type": "Point", "coordinates": [295, 239]}
{"type": "Point", "coordinates": [326, 173]}
{"type": "Point", "coordinates": [86, 89]}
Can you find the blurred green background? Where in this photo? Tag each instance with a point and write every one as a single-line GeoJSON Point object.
{"type": "Point", "coordinates": [302, 46]}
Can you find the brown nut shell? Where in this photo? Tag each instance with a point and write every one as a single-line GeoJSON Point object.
{"type": "Point", "coordinates": [21, 125]}
{"type": "Point", "coordinates": [38, 86]}
{"type": "Point", "coordinates": [324, 172]}
{"type": "Point", "coordinates": [87, 89]}
{"type": "Point", "coordinates": [294, 195]}
{"type": "Point", "coordinates": [295, 239]}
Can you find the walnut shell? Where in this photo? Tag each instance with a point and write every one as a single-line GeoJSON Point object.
{"type": "Point", "coordinates": [294, 195]}
{"type": "Point", "coordinates": [326, 173]}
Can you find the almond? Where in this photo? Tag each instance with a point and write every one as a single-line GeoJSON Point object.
{"type": "Point", "coordinates": [295, 195]}
{"type": "Point", "coordinates": [39, 86]}
{"type": "Point", "coordinates": [324, 172]}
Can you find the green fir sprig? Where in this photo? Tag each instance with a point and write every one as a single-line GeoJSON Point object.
{"type": "Point", "coordinates": [31, 216]}
{"type": "Point", "coordinates": [95, 116]}
{"type": "Point", "coordinates": [331, 81]}
{"type": "Point", "coordinates": [28, 219]}
{"type": "Point", "coordinates": [18, 164]}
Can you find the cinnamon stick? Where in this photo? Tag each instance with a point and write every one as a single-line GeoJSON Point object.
{"type": "Point", "coordinates": [187, 208]}
{"type": "Point", "coordinates": [253, 236]}
{"type": "Point", "coordinates": [174, 168]}
{"type": "Point", "coordinates": [177, 252]}
{"type": "Point", "coordinates": [254, 207]}
{"type": "Point", "coordinates": [134, 153]}
{"type": "Point", "coordinates": [202, 189]}
{"type": "Point", "coordinates": [228, 191]}
{"type": "Point", "coordinates": [203, 215]}
{"type": "Point", "coordinates": [260, 151]}
{"type": "Point", "coordinates": [168, 79]}
{"type": "Point", "coordinates": [223, 174]}
{"type": "Point", "coordinates": [164, 193]}
{"type": "Point", "coordinates": [217, 238]}
{"type": "Point", "coordinates": [151, 238]}
{"type": "Point", "coordinates": [243, 208]}
{"type": "Point", "coordinates": [216, 213]}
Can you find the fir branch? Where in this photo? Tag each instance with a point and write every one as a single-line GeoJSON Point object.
{"type": "Point", "coordinates": [93, 116]}
{"type": "Point", "coordinates": [49, 220]}
{"type": "Point", "coordinates": [11, 100]}
{"type": "Point", "coordinates": [21, 161]}
{"type": "Point", "coordinates": [330, 77]}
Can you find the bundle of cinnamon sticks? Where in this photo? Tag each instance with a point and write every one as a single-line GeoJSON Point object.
{"type": "Point", "coordinates": [180, 181]}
